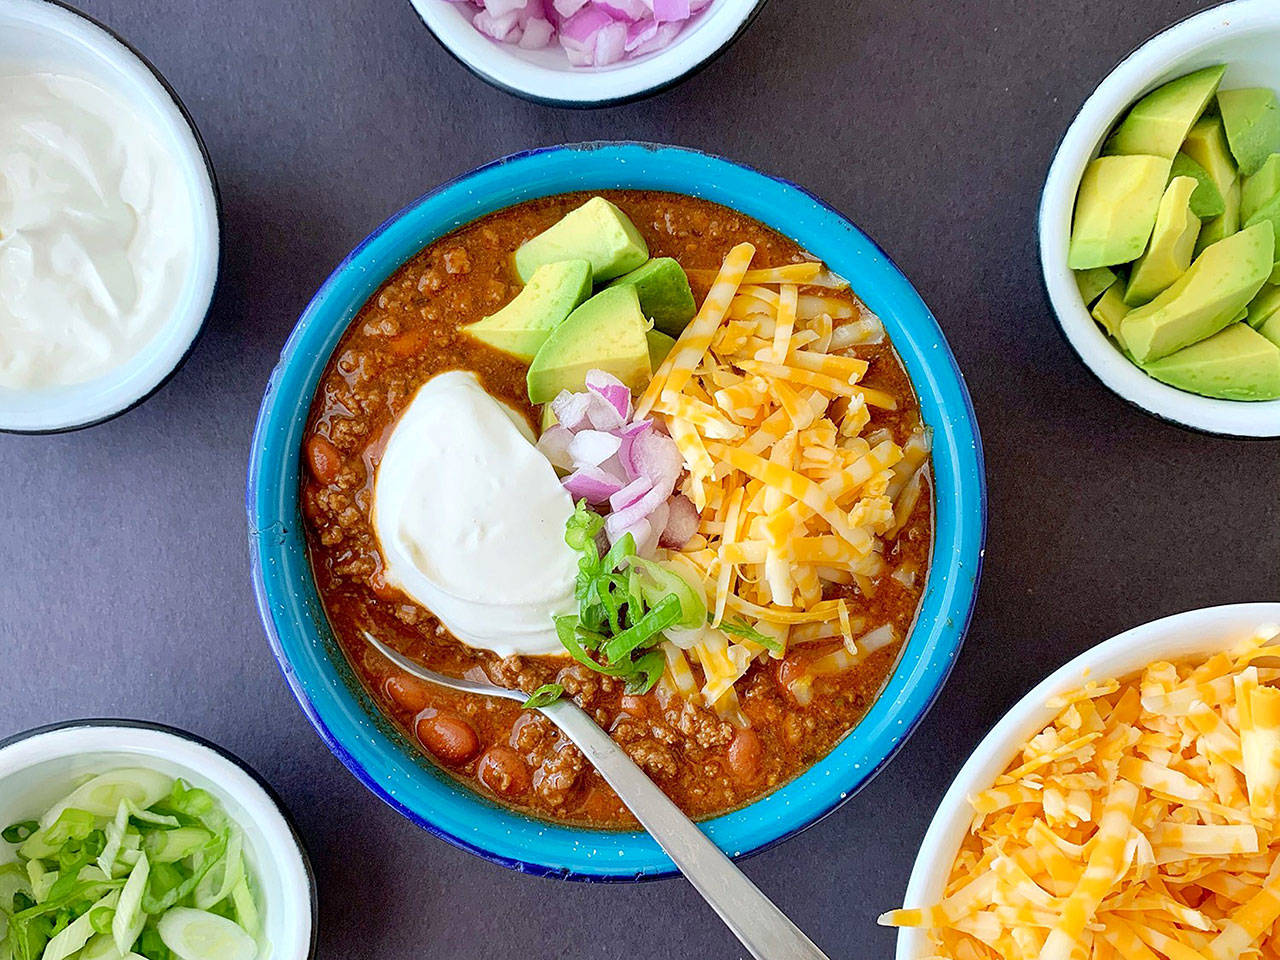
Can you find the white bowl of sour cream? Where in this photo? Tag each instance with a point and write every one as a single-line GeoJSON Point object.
{"type": "Point", "coordinates": [108, 222]}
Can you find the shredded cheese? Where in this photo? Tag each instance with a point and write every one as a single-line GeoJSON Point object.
{"type": "Point", "coordinates": [1140, 824]}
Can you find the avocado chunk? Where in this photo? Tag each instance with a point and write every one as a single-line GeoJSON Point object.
{"type": "Point", "coordinates": [1206, 144]}
{"type": "Point", "coordinates": [1223, 225]}
{"type": "Point", "coordinates": [663, 289]}
{"type": "Point", "coordinates": [1252, 121]}
{"type": "Point", "coordinates": [1207, 200]}
{"type": "Point", "coordinates": [524, 324]}
{"type": "Point", "coordinates": [596, 231]}
{"type": "Point", "coordinates": [659, 346]}
{"type": "Point", "coordinates": [1093, 283]}
{"type": "Point", "coordinates": [1172, 242]}
{"type": "Point", "coordinates": [605, 333]}
{"type": "Point", "coordinates": [1237, 363]}
{"type": "Point", "coordinates": [1111, 309]}
{"type": "Point", "coordinates": [1204, 299]}
{"type": "Point", "coordinates": [1116, 210]}
{"type": "Point", "coordinates": [1158, 123]}
{"type": "Point", "coordinates": [1257, 190]}
{"type": "Point", "coordinates": [1264, 306]}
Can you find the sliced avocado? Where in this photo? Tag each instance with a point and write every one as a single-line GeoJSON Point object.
{"type": "Point", "coordinates": [596, 231]}
{"type": "Point", "coordinates": [1206, 144]}
{"type": "Point", "coordinates": [1271, 329]}
{"type": "Point", "coordinates": [1116, 210]}
{"type": "Point", "coordinates": [605, 333]}
{"type": "Point", "coordinates": [1093, 283]}
{"type": "Point", "coordinates": [1111, 309]}
{"type": "Point", "coordinates": [1252, 121]}
{"type": "Point", "coordinates": [524, 324]}
{"type": "Point", "coordinates": [659, 346]}
{"type": "Point", "coordinates": [1172, 242]}
{"type": "Point", "coordinates": [1223, 225]}
{"type": "Point", "coordinates": [1264, 306]}
{"type": "Point", "coordinates": [1158, 123]}
{"type": "Point", "coordinates": [1237, 363]}
{"type": "Point", "coordinates": [665, 297]}
{"type": "Point", "coordinates": [1204, 299]}
{"type": "Point", "coordinates": [1207, 200]}
{"type": "Point", "coordinates": [1258, 189]}
{"type": "Point", "coordinates": [1268, 213]}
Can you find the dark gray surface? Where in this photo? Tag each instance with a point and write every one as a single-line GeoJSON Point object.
{"type": "Point", "coordinates": [930, 124]}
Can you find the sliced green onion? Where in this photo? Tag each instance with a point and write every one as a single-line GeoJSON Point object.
{"type": "Point", "coordinates": [567, 630]}
{"type": "Point", "coordinates": [739, 627]}
{"type": "Point", "coordinates": [17, 832]}
{"type": "Point", "coordinates": [665, 613]}
{"type": "Point", "coordinates": [545, 694]}
{"type": "Point", "coordinates": [660, 582]}
{"type": "Point", "coordinates": [649, 670]}
{"type": "Point", "coordinates": [581, 529]}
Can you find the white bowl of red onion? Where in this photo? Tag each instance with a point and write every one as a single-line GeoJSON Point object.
{"type": "Point", "coordinates": [585, 53]}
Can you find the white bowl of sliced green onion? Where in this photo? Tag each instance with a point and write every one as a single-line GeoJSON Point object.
{"type": "Point", "coordinates": [122, 840]}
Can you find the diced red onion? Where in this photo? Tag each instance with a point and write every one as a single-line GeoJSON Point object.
{"type": "Point", "coordinates": [602, 414]}
{"type": "Point", "coordinates": [668, 10]}
{"type": "Point", "coordinates": [537, 34]}
{"type": "Point", "coordinates": [612, 389]}
{"type": "Point", "coordinates": [666, 32]}
{"type": "Point", "coordinates": [682, 522]}
{"type": "Point", "coordinates": [554, 445]}
{"type": "Point", "coordinates": [590, 448]}
{"type": "Point", "coordinates": [583, 26]}
{"type": "Point", "coordinates": [636, 511]}
{"type": "Point", "coordinates": [657, 457]}
{"type": "Point", "coordinates": [499, 27]}
{"type": "Point", "coordinates": [570, 409]}
{"type": "Point", "coordinates": [592, 484]}
{"type": "Point", "coordinates": [591, 32]}
{"type": "Point", "coordinates": [629, 494]}
{"type": "Point", "coordinates": [629, 10]}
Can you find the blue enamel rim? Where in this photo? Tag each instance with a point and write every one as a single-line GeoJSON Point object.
{"type": "Point", "coordinates": [324, 684]}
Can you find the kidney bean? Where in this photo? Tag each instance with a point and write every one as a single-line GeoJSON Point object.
{"type": "Point", "coordinates": [450, 738]}
{"type": "Point", "coordinates": [323, 458]}
{"type": "Point", "coordinates": [504, 772]}
{"type": "Point", "coordinates": [744, 755]}
{"type": "Point", "coordinates": [409, 692]}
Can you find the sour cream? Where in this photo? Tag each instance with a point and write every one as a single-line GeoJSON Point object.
{"type": "Point", "coordinates": [97, 231]}
{"type": "Point", "coordinates": [471, 517]}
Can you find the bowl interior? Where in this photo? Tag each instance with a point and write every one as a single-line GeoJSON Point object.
{"type": "Point", "coordinates": [547, 74]}
{"type": "Point", "coordinates": [1192, 634]}
{"type": "Point", "coordinates": [1244, 35]}
{"type": "Point", "coordinates": [39, 770]}
{"type": "Point", "coordinates": [41, 36]}
{"type": "Point", "coordinates": [319, 674]}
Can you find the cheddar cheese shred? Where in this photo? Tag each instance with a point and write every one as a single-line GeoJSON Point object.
{"type": "Point", "coordinates": [1141, 823]}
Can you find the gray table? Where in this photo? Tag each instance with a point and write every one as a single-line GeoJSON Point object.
{"type": "Point", "coordinates": [928, 122]}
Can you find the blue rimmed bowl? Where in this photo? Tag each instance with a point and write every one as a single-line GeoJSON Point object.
{"type": "Point", "coordinates": [318, 673]}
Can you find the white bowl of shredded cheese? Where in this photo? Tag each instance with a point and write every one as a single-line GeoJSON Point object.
{"type": "Point", "coordinates": [108, 223]}
{"type": "Point", "coordinates": [1192, 636]}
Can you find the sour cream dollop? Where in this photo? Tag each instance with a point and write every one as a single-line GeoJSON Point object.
{"type": "Point", "coordinates": [471, 518]}
{"type": "Point", "coordinates": [97, 232]}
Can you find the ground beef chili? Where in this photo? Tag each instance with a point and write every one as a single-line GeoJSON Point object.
{"type": "Point", "coordinates": [407, 333]}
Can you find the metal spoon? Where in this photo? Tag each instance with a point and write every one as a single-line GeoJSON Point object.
{"type": "Point", "coordinates": [754, 919]}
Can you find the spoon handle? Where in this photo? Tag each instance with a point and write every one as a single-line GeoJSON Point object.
{"type": "Point", "coordinates": [764, 930]}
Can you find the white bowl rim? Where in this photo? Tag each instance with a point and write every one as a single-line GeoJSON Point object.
{"type": "Point", "coordinates": [116, 392]}
{"type": "Point", "coordinates": [1032, 711]}
{"type": "Point", "coordinates": [232, 776]}
{"type": "Point", "coordinates": [712, 31]}
{"type": "Point", "coordinates": [1128, 81]}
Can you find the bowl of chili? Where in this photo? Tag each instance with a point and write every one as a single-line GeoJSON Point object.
{"type": "Point", "coordinates": [321, 676]}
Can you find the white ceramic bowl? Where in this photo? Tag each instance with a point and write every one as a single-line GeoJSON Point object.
{"type": "Point", "coordinates": [38, 767]}
{"type": "Point", "coordinates": [43, 35]}
{"type": "Point", "coordinates": [1193, 634]}
{"type": "Point", "coordinates": [546, 76]}
{"type": "Point", "coordinates": [1245, 35]}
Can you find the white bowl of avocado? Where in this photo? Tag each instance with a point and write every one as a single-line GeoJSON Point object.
{"type": "Point", "coordinates": [1160, 224]}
